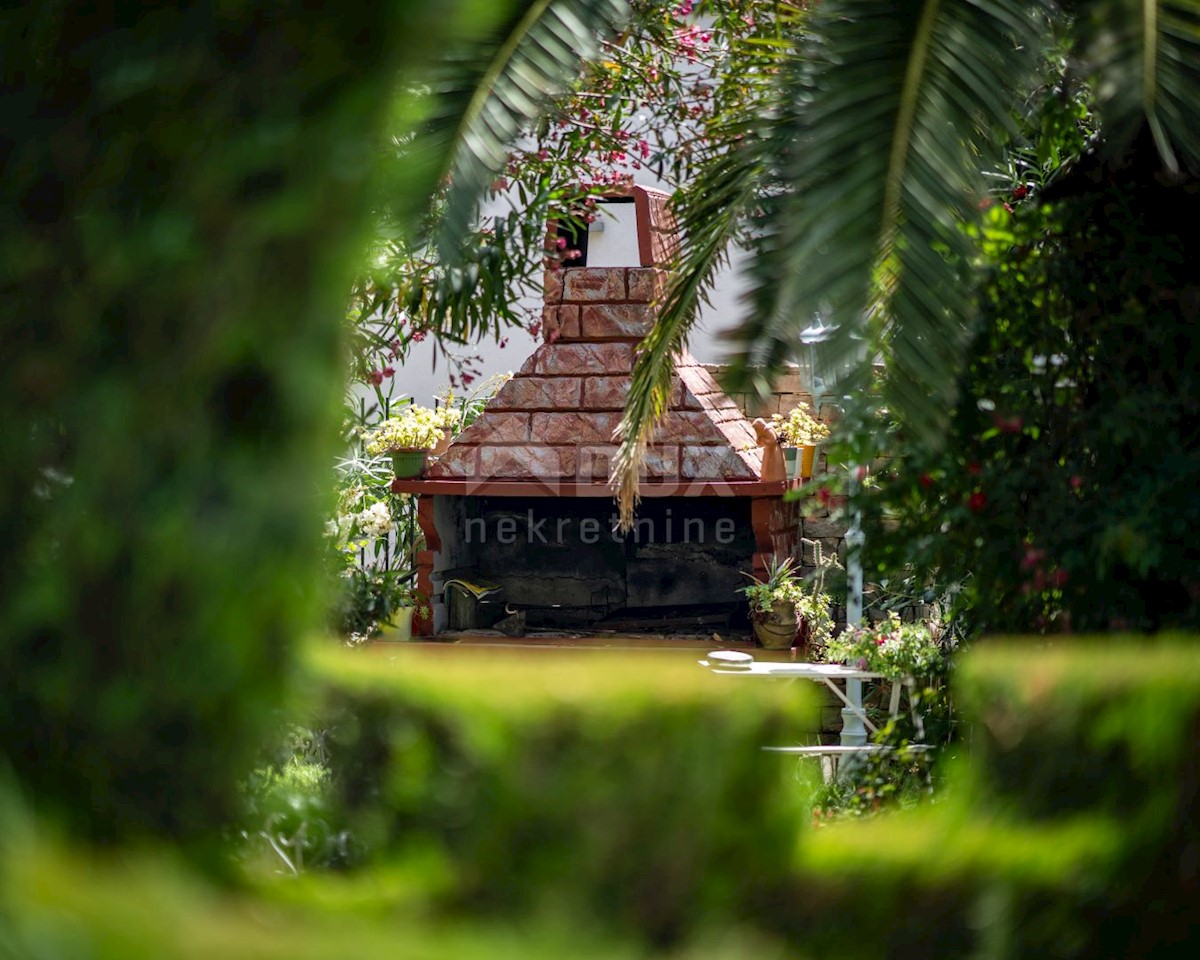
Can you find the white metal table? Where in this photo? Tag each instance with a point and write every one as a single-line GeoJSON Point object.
{"type": "Point", "coordinates": [735, 663]}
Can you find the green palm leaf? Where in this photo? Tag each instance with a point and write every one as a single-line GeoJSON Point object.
{"type": "Point", "coordinates": [489, 90]}
{"type": "Point", "coordinates": [1144, 57]}
{"type": "Point", "coordinates": [898, 117]}
{"type": "Point", "coordinates": [712, 211]}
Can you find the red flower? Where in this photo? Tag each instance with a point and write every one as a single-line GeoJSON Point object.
{"type": "Point", "coordinates": [375, 377]}
{"type": "Point", "coordinates": [1076, 481]}
{"type": "Point", "coordinates": [925, 480]}
{"type": "Point", "coordinates": [1060, 578]}
{"type": "Point", "coordinates": [1020, 191]}
{"type": "Point", "coordinates": [974, 468]}
{"type": "Point", "coordinates": [1011, 424]}
{"type": "Point", "coordinates": [1033, 557]}
{"type": "Point", "coordinates": [977, 501]}
{"type": "Point", "coordinates": [824, 496]}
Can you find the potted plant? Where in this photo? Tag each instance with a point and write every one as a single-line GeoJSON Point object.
{"type": "Point", "coordinates": [784, 607]}
{"type": "Point", "coordinates": [800, 433]}
{"type": "Point", "coordinates": [409, 437]}
{"type": "Point", "coordinates": [372, 537]}
{"type": "Point", "coordinates": [897, 650]}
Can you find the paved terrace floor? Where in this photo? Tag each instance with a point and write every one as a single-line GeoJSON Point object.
{"type": "Point", "coordinates": [694, 643]}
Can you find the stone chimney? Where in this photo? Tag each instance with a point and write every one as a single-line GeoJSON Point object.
{"type": "Point", "coordinates": [554, 421]}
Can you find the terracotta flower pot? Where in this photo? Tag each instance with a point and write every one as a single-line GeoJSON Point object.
{"type": "Point", "coordinates": [776, 630]}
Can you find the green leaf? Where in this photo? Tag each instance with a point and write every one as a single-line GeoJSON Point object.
{"type": "Point", "coordinates": [490, 91]}
{"type": "Point", "coordinates": [895, 118]}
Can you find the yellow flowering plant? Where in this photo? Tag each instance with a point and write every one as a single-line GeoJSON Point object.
{"type": "Point", "coordinates": [799, 428]}
{"type": "Point", "coordinates": [414, 428]}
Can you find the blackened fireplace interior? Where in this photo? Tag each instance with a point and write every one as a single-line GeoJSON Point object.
{"type": "Point", "coordinates": [563, 562]}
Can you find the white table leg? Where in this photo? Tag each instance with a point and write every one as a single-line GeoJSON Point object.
{"type": "Point", "coordinates": [854, 718]}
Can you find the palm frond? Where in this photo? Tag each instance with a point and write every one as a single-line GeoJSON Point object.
{"type": "Point", "coordinates": [487, 91]}
{"type": "Point", "coordinates": [709, 213]}
{"type": "Point", "coordinates": [712, 212]}
{"type": "Point", "coordinates": [898, 117]}
{"type": "Point", "coordinates": [1145, 56]}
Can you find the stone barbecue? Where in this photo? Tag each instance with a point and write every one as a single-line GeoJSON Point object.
{"type": "Point", "coordinates": [521, 500]}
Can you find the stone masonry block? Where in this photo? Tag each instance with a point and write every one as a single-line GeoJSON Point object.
{"type": "Point", "coordinates": [594, 284]}
{"type": "Point", "coordinates": [457, 462]}
{"type": "Point", "coordinates": [568, 427]}
{"type": "Point", "coordinates": [497, 427]}
{"type": "Point", "coordinates": [690, 427]}
{"type": "Point", "coordinates": [788, 382]}
{"type": "Point", "coordinates": [616, 321]}
{"type": "Point", "coordinates": [822, 528]}
{"type": "Point", "coordinates": [552, 286]}
{"type": "Point", "coordinates": [539, 393]}
{"type": "Point", "coordinates": [593, 462]}
{"type": "Point", "coordinates": [605, 393]}
{"type": "Point", "coordinates": [564, 319]}
{"type": "Point", "coordinates": [585, 358]}
{"type": "Point", "coordinates": [645, 284]}
{"type": "Point", "coordinates": [679, 395]}
{"type": "Point", "coordinates": [526, 463]}
{"type": "Point", "coordinates": [662, 462]}
{"type": "Point", "coordinates": [610, 393]}
{"type": "Point", "coordinates": [715, 463]}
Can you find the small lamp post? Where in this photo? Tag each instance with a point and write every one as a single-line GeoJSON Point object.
{"type": "Point", "coordinates": [825, 378]}
{"type": "Point", "coordinates": [811, 336]}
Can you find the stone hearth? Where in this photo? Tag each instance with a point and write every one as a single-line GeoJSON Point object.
{"type": "Point", "coordinates": [539, 458]}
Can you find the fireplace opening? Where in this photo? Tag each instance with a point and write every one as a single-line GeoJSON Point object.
{"type": "Point", "coordinates": [564, 562]}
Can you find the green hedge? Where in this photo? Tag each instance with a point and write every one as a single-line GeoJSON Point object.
{"type": "Point", "coordinates": [59, 903]}
{"type": "Point", "coordinates": [184, 190]}
{"type": "Point", "coordinates": [625, 788]}
{"type": "Point", "coordinates": [588, 803]}
{"type": "Point", "coordinates": [1069, 828]}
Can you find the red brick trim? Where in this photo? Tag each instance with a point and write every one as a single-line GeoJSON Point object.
{"type": "Point", "coordinates": [571, 488]}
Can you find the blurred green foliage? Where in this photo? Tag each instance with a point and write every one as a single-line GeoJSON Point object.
{"type": "Point", "coordinates": [1068, 828]}
{"type": "Point", "coordinates": [626, 788]}
{"type": "Point", "coordinates": [182, 200]}
{"type": "Point", "coordinates": [590, 804]}
{"type": "Point", "coordinates": [1063, 497]}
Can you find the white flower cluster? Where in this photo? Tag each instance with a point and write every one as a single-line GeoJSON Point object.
{"type": "Point", "coordinates": [376, 520]}
{"type": "Point", "coordinates": [338, 529]}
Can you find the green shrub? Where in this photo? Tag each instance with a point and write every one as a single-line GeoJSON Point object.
{"type": "Point", "coordinates": [184, 189]}
{"type": "Point", "coordinates": [1067, 830]}
{"type": "Point", "coordinates": [63, 904]}
{"type": "Point", "coordinates": [628, 789]}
